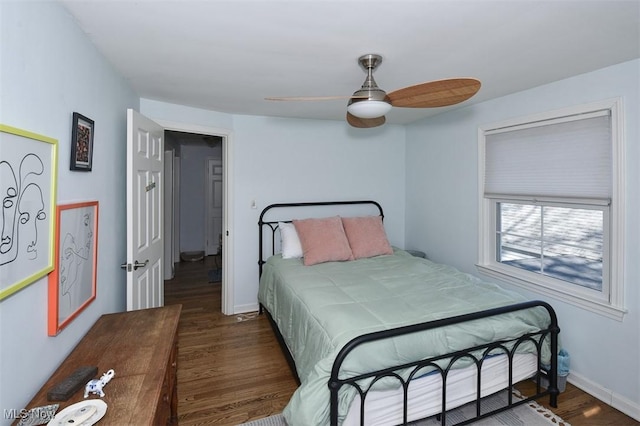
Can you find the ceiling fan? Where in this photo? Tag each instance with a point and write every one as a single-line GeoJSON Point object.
{"type": "Point", "coordinates": [368, 106]}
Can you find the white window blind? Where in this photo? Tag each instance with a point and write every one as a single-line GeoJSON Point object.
{"type": "Point", "coordinates": [567, 157]}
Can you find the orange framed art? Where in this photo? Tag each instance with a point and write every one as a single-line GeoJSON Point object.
{"type": "Point", "coordinates": [72, 283]}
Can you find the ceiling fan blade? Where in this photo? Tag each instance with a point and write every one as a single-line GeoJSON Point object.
{"type": "Point", "coordinates": [312, 98]}
{"type": "Point", "coordinates": [365, 123]}
{"type": "Point", "coordinates": [435, 94]}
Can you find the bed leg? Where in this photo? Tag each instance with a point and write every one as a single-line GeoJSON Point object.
{"type": "Point", "coordinates": [553, 373]}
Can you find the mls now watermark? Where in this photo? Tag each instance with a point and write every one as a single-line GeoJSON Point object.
{"type": "Point", "coordinates": [44, 414]}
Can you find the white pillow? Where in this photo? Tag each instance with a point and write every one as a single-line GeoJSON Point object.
{"type": "Point", "coordinates": [291, 247]}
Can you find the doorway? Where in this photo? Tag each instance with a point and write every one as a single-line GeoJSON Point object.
{"type": "Point", "coordinates": [192, 147]}
{"type": "Point", "coordinates": [199, 202]}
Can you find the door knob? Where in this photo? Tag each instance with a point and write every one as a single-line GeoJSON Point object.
{"type": "Point", "coordinates": [136, 265]}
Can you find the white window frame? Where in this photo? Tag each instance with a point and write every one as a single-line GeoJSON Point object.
{"type": "Point", "coordinates": [610, 305]}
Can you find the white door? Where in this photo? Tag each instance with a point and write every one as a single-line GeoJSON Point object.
{"type": "Point", "coordinates": [213, 228]}
{"type": "Point", "coordinates": [145, 154]}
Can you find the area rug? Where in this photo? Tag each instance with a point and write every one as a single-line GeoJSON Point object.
{"type": "Point", "coordinates": [215, 275]}
{"type": "Point", "coordinates": [530, 414]}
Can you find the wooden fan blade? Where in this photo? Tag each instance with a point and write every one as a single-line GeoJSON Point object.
{"type": "Point", "coordinates": [311, 98]}
{"type": "Point", "coordinates": [365, 123]}
{"type": "Point", "coordinates": [435, 94]}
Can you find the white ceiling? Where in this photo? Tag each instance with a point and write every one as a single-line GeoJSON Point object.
{"type": "Point", "coordinates": [228, 55]}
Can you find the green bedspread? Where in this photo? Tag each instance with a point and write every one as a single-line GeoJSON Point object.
{"type": "Point", "coordinates": [318, 309]}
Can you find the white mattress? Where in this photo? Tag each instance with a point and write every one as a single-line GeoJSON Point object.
{"type": "Point", "coordinates": [425, 393]}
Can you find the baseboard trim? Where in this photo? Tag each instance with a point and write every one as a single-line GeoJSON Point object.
{"type": "Point", "coordinates": [243, 309]}
{"type": "Point", "coordinates": [619, 402]}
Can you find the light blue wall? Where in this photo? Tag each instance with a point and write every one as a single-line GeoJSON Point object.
{"type": "Point", "coordinates": [193, 171]}
{"type": "Point", "coordinates": [49, 69]}
{"type": "Point", "coordinates": [284, 160]}
{"type": "Point", "coordinates": [166, 112]}
{"type": "Point", "coordinates": [442, 216]}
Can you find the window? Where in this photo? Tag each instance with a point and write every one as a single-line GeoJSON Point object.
{"type": "Point", "coordinates": [565, 243]}
{"type": "Point", "coordinates": [551, 205]}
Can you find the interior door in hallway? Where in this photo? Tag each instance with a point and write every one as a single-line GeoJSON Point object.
{"type": "Point", "coordinates": [145, 187]}
{"type": "Point", "coordinates": [213, 228]}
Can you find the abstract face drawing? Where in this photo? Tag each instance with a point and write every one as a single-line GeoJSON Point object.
{"type": "Point", "coordinates": [73, 254]}
{"type": "Point", "coordinates": [88, 232]}
{"type": "Point", "coordinates": [68, 264]}
{"type": "Point", "coordinates": [27, 204]}
{"type": "Point", "coordinates": [30, 206]}
{"type": "Point", "coordinates": [9, 198]}
{"type": "Point", "coordinates": [31, 212]}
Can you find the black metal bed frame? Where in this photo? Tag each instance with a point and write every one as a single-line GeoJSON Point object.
{"type": "Point", "coordinates": [477, 354]}
{"type": "Point", "coordinates": [273, 224]}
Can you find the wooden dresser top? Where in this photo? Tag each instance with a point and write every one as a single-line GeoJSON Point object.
{"type": "Point", "coordinates": [138, 346]}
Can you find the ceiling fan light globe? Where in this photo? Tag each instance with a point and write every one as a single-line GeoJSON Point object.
{"type": "Point", "coordinates": [369, 108]}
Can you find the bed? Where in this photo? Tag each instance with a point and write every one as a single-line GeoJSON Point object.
{"type": "Point", "coordinates": [390, 338]}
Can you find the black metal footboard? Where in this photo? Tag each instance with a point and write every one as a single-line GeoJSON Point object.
{"type": "Point", "coordinates": [477, 354]}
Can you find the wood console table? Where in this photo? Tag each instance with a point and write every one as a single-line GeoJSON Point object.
{"type": "Point", "coordinates": [141, 347]}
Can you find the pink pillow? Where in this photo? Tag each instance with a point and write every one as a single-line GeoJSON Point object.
{"type": "Point", "coordinates": [366, 236]}
{"type": "Point", "coordinates": [323, 240]}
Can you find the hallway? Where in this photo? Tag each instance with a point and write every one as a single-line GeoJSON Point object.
{"type": "Point", "coordinates": [230, 368]}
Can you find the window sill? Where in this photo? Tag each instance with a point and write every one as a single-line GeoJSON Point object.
{"type": "Point", "coordinates": [598, 307]}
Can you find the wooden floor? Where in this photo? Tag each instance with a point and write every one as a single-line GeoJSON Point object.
{"type": "Point", "coordinates": [231, 369]}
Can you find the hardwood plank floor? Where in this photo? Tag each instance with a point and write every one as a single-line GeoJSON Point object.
{"type": "Point", "coordinates": [231, 369]}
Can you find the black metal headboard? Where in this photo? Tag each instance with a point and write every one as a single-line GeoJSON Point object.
{"type": "Point", "coordinates": [273, 224]}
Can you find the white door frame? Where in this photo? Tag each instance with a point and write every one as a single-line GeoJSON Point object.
{"type": "Point", "coordinates": [213, 241]}
{"type": "Point", "coordinates": [169, 208]}
{"type": "Point", "coordinates": [176, 210]}
{"type": "Point", "coordinates": [227, 201]}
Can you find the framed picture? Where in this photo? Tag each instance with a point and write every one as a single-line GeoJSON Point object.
{"type": "Point", "coordinates": [28, 172]}
{"type": "Point", "coordinates": [81, 143]}
{"type": "Point", "coordinates": [72, 284]}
